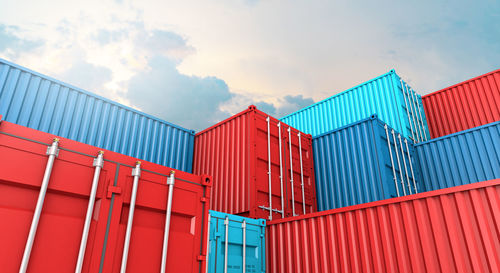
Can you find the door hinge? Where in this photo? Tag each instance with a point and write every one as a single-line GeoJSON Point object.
{"type": "Point", "coordinates": [203, 199]}
{"type": "Point", "coordinates": [113, 189]}
{"type": "Point", "coordinates": [202, 258]}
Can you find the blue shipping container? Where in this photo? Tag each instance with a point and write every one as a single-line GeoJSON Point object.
{"type": "Point", "coordinates": [363, 162]}
{"type": "Point", "coordinates": [388, 96]}
{"type": "Point", "coordinates": [33, 100]}
{"type": "Point", "coordinates": [232, 234]}
{"type": "Point", "coordinates": [461, 158]}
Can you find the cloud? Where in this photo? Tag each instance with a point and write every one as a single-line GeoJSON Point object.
{"type": "Point", "coordinates": [12, 45]}
{"type": "Point", "coordinates": [190, 101]}
{"type": "Point", "coordinates": [87, 76]}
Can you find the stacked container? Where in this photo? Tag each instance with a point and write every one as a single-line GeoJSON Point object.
{"type": "Point", "coordinates": [34, 100]}
{"type": "Point", "coordinates": [388, 96]}
{"type": "Point", "coordinates": [363, 162]}
{"type": "Point", "coordinates": [236, 244]}
{"type": "Point", "coordinates": [262, 168]}
{"type": "Point", "coordinates": [96, 211]}
{"type": "Point", "coordinates": [461, 158]}
{"type": "Point", "coordinates": [463, 106]}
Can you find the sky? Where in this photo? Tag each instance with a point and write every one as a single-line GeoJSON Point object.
{"type": "Point", "coordinates": [194, 63]}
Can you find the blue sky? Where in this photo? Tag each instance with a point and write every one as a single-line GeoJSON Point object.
{"type": "Point", "coordinates": [194, 63]}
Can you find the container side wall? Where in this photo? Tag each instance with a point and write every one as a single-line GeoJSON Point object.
{"type": "Point", "coordinates": [463, 106]}
{"type": "Point", "coordinates": [39, 102]}
{"type": "Point", "coordinates": [461, 158]}
{"type": "Point", "coordinates": [453, 230]}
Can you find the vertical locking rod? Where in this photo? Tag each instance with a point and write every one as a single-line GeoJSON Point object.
{"type": "Point", "coordinates": [421, 118]}
{"type": "Point", "coordinates": [98, 164]}
{"type": "Point", "coordinates": [244, 227]}
{"type": "Point", "coordinates": [208, 243]}
{"type": "Point", "coordinates": [392, 160]}
{"type": "Point", "coordinates": [411, 166]}
{"type": "Point", "coordinates": [269, 168]}
{"type": "Point", "coordinates": [404, 163]}
{"type": "Point", "coordinates": [399, 163]}
{"type": "Point", "coordinates": [407, 108]}
{"type": "Point", "coordinates": [52, 152]}
{"type": "Point", "coordinates": [413, 111]}
{"type": "Point", "coordinates": [281, 174]}
{"type": "Point", "coordinates": [302, 175]}
{"type": "Point", "coordinates": [171, 183]}
{"type": "Point", "coordinates": [291, 171]}
{"type": "Point", "coordinates": [226, 243]}
{"type": "Point", "coordinates": [136, 173]}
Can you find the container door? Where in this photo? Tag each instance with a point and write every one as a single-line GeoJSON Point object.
{"type": "Point", "coordinates": [57, 239]}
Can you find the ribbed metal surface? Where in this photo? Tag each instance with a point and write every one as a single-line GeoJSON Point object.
{"type": "Point", "coordinates": [236, 153]}
{"type": "Point", "coordinates": [353, 165]}
{"type": "Point", "coordinates": [461, 158]}
{"type": "Point", "coordinates": [255, 245]}
{"type": "Point", "coordinates": [466, 105]}
{"type": "Point", "coordinates": [387, 96]}
{"type": "Point", "coordinates": [33, 100]}
{"type": "Point", "coordinates": [451, 230]}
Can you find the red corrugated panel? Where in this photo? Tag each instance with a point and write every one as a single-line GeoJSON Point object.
{"type": "Point", "coordinates": [235, 153]}
{"type": "Point", "coordinates": [451, 230]}
{"type": "Point", "coordinates": [462, 106]}
{"type": "Point", "coordinates": [23, 159]}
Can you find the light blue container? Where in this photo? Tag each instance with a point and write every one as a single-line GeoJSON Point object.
{"type": "Point", "coordinates": [355, 164]}
{"type": "Point", "coordinates": [388, 96]}
{"type": "Point", "coordinates": [33, 100]}
{"type": "Point", "coordinates": [233, 227]}
{"type": "Point", "coordinates": [461, 158]}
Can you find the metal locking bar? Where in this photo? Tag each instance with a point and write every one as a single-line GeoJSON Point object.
{"type": "Point", "coordinates": [271, 209]}
{"type": "Point", "coordinates": [52, 152]}
{"type": "Point", "coordinates": [291, 171]}
{"type": "Point", "coordinates": [415, 105]}
{"type": "Point", "coordinates": [392, 160]}
{"type": "Point", "coordinates": [136, 173]}
{"type": "Point", "coordinates": [411, 166]}
{"type": "Point", "coordinates": [407, 109]}
{"type": "Point", "coordinates": [421, 118]}
{"type": "Point", "coordinates": [170, 183]}
{"type": "Point", "coordinates": [302, 175]}
{"type": "Point", "coordinates": [412, 106]}
{"type": "Point", "coordinates": [208, 242]}
{"type": "Point", "coordinates": [98, 164]}
{"type": "Point", "coordinates": [244, 227]}
{"type": "Point", "coordinates": [281, 174]}
{"type": "Point", "coordinates": [404, 163]}
{"type": "Point", "coordinates": [399, 163]}
{"type": "Point", "coordinates": [226, 223]}
{"type": "Point", "coordinates": [269, 167]}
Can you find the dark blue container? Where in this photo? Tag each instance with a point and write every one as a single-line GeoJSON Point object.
{"type": "Point", "coordinates": [461, 158]}
{"type": "Point", "coordinates": [36, 101]}
{"type": "Point", "coordinates": [357, 164]}
{"type": "Point", "coordinates": [236, 234]}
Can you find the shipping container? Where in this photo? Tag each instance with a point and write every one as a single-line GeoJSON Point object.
{"type": "Point", "coordinates": [47, 188]}
{"type": "Point", "coordinates": [449, 230]}
{"type": "Point", "coordinates": [236, 244]}
{"type": "Point", "coordinates": [462, 106]}
{"type": "Point", "coordinates": [461, 158]}
{"type": "Point", "coordinates": [363, 162]}
{"type": "Point", "coordinates": [34, 100]}
{"type": "Point", "coordinates": [249, 157]}
{"type": "Point", "coordinates": [388, 96]}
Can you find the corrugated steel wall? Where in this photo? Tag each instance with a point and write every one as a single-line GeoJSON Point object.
{"type": "Point", "coordinates": [388, 96]}
{"type": "Point", "coordinates": [466, 105]}
{"type": "Point", "coordinates": [461, 158]}
{"type": "Point", "coordinates": [451, 230]}
{"type": "Point", "coordinates": [236, 152]}
{"type": "Point", "coordinates": [255, 245]}
{"type": "Point", "coordinates": [354, 165]}
{"type": "Point", "coordinates": [30, 99]}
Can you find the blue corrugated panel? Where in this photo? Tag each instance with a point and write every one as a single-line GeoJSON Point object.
{"type": "Point", "coordinates": [355, 164]}
{"type": "Point", "coordinates": [388, 96]}
{"type": "Point", "coordinates": [233, 226]}
{"type": "Point", "coordinates": [461, 158]}
{"type": "Point", "coordinates": [42, 103]}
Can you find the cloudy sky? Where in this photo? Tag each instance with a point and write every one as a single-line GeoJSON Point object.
{"type": "Point", "coordinates": [196, 62]}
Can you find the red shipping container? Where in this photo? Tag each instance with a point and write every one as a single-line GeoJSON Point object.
{"type": "Point", "coordinates": [236, 153]}
{"type": "Point", "coordinates": [56, 244]}
{"type": "Point", "coordinates": [466, 105]}
{"type": "Point", "coordinates": [450, 230]}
